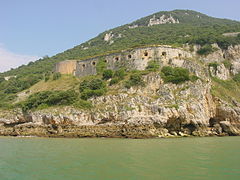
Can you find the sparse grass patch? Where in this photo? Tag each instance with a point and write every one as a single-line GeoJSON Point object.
{"type": "Point", "coordinates": [226, 90]}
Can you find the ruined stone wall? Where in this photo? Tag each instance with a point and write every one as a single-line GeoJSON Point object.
{"type": "Point", "coordinates": [132, 59]}
{"type": "Point", "coordinates": [66, 67]}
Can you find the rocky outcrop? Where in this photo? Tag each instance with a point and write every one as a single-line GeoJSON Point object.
{"type": "Point", "coordinates": [164, 19]}
{"type": "Point", "coordinates": [156, 110]}
{"type": "Point", "coordinates": [220, 71]}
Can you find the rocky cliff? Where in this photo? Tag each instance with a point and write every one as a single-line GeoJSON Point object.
{"type": "Point", "coordinates": [156, 110]}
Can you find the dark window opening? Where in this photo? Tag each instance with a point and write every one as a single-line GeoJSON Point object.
{"type": "Point", "coordinates": [164, 53]}
{"type": "Point", "coordinates": [83, 65]}
{"type": "Point", "coordinates": [179, 55]}
{"type": "Point", "coordinates": [116, 58]}
{"type": "Point", "coordinates": [146, 54]}
{"type": "Point", "coordinates": [129, 56]}
{"type": "Point", "coordinates": [94, 63]}
{"type": "Point", "coordinates": [105, 61]}
{"type": "Point", "coordinates": [224, 56]}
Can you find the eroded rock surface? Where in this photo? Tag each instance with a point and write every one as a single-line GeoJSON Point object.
{"type": "Point", "coordinates": [156, 110]}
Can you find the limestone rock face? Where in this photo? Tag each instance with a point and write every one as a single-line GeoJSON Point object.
{"type": "Point", "coordinates": [156, 110]}
{"type": "Point", "coordinates": [164, 19]}
{"type": "Point", "coordinates": [220, 72]}
{"type": "Point", "coordinates": [108, 36]}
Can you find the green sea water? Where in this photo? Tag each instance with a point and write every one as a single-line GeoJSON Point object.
{"type": "Point", "coordinates": [135, 159]}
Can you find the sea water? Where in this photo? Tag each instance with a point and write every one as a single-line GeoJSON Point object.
{"type": "Point", "coordinates": [215, 158]}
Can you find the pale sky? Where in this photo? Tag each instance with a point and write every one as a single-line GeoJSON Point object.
{"type": "Point", "coordinates": [34, 28]}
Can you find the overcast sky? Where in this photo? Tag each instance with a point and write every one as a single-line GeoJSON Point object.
{"type": "Point", "coordinates": [34, 28]}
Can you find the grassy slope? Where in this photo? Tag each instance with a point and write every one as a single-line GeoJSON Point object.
{"type": "Point", "coordinates": [227, 90]}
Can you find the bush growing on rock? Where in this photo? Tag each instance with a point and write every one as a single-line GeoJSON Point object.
{"type": "Point", "coordinates": [153, 66]}
{"type": "Point", "coordinates": [175, 75]}
{"type": "Point", "coordinates": [95, 87]}
{"type": "Point", "coordinates": [83, 104]}
{"type": "Point", "coordinates": [205, 50]}
{"type": "Point", "coordinates": [49, 98]}
{"type": "Point", "coordinates": [101, 66]}
{"type": "Point", "coordinates": [114, 81]}
{"type": "Point", "coordinates": [214, 65]}
{"type": "Point", "coordinates": [134, 80]}
{"type": "Point", "coordinates": [120, 74]}
{"type": "Point", "coordinates": [107, 74]}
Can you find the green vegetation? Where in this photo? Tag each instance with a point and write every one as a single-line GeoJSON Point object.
{"type": "Point", "coordinates": [49, 98]}
{"type": "Point", "coordinates": [117, 76]}
{"type": "Point", "coordinates": [134, 80]}
{"type": "Point", "coordinates": [95, 87]}
{"type": "Point", "coordinates": [206, 49]}
{"type": "Point", "coordinates": [227, 64]}
{"type": "Point", "coordinates": [226, 90]}
{"type": "Point", "coordinates": [194, 28]}
{"type": "Point", "coordinates": [153, 66]}
{"type": "Point", "coordinates": [47, 76]}
{"type": "Point", "coordinates": [236, 78]}
{"type": "Point", "coordinates": [56, 76]}
{"type": "Point", "coordinates": [83, 104]}
{"type": "Point", "coordinates": [101, 66]}
{"type": "Point", "coordinates": [175, 75]}
{"type": "Point", "coordinates": [214, 65]}
{"type": "Point", "coordinates": [107, 74]}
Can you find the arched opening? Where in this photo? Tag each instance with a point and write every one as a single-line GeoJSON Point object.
{"type": "Point", "coordinates": [146, 53]}
{"type": "Point", "coordinates": [224, 56]}
{"type": "Point", "coordinates": [116, 58]}
{"type": "Point", "coordinates": [179, 55]}
{"type": "Point", "coordinates": [105, 61]}
{"type": "Point", "coordinates": [94, 63]}
{"type": "Point", "coordinates": [129, 56]}
{"type": "Point", "coordinates": [164, 53]}
{"type": "Point", "coordinates": [83, 65]}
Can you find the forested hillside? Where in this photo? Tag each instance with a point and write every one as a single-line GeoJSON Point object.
{"type": "Point", "coordinates": [183, 27]}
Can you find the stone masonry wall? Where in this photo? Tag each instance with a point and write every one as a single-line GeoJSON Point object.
{"type": "Point", "coordinates": [132, 59]}
{"type": "Point", "coordinates": [66, 67]}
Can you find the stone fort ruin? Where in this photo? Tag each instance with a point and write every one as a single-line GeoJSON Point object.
{"type": "Point", "coordinates": [135, 59]}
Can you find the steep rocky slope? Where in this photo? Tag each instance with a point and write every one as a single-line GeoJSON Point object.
{"type": "Point", "coordinates": [206, 106]}
{"type": "Point", "coordinates": [157, 109]}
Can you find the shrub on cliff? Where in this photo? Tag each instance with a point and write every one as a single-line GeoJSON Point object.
{"type": "Point", "coordinates": [134, 80]}
{"type": "Point", "coordinates": [120, 74]}
{"type": "Point", "coordinates": [49, 98]}
{"type": "Point", "coordinates": [95, 87]}
{"type": "Point", "coordinates": [107, 74]}
{"type": "Point", "coordinates": [117, 76]}
{"type": "Point", "coordinates": [205, 50]}
{"type": "Point", "coordinates": [56, 76]}
{"type": "Point", "coordinates": [101, 65]}
{"type": "Point", "coordinates": [174, 75]}
{"type": "Point", "coordinates": [214, 65]}
{"type": "Point", "coordinates": [82, 104]}
{"type": "Point", "coordinates": [153, 66]}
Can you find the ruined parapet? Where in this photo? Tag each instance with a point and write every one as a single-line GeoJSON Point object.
{"type": "Point", "coordinates": [86, 67]}
{"type": "Point", "coordinates": [66, 67]}
{"type": "Point", "coordinates": [135, 59]}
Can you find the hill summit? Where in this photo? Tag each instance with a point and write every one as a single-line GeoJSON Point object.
{"type": "Point", "coordinates": [173, 73]}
